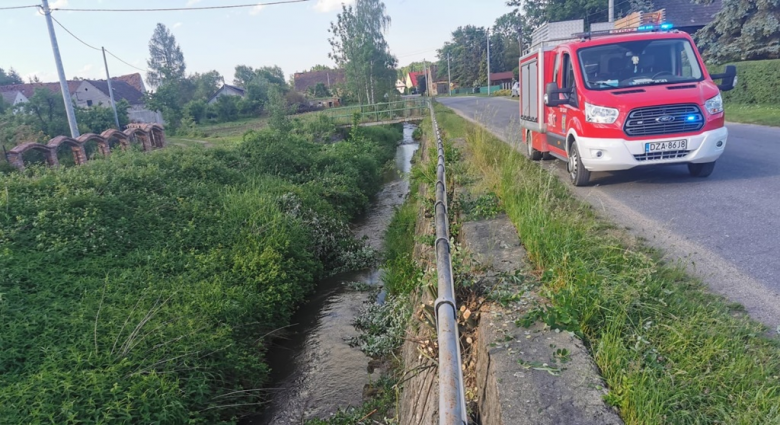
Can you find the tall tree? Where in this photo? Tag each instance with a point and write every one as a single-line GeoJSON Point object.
{"type": "Point", "coordinates": [468, 52]}
{"type": "Point", "coordinates": [45, 112]}
{"type": "Point", "coordinates": [359, 46]}
{"type": "Point", "coordinates": [742, 30]}
{"type": "Point", "coordinates": [10, 77]}
{"type": "Point", "coordinates": [166, 61]}
{"type": "Point", "coordinates": [244, 75]}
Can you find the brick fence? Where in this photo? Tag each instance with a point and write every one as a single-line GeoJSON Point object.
{"type": "Point", "coordinates": [150, 136]}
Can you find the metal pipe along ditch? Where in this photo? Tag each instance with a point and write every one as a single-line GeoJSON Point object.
{"type": "Point", "coordinates": [452, 400]}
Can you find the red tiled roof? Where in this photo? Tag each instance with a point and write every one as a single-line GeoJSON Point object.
{"type": "Point", "coordinates": [304, 80]}
{"type": "Point", "coordinates": [498, 76]}
{"type": "Point", "coordinates": [124, 88]}
{"type": "Point", "coordinates": [414, 76]}
{"type": "Point", "coordinates": [29, 89]}
{"type": "Point", "coordinates": [134, 80]}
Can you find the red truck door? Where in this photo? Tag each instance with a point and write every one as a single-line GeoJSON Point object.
{"type": "Point", "coordinates": [558, 116]}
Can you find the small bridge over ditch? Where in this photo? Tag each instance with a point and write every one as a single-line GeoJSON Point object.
{"type": "Point", "coordinates": [406, 110]}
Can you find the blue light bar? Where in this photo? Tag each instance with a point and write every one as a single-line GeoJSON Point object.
{"type": "Point", "coordinates": [643, 28]}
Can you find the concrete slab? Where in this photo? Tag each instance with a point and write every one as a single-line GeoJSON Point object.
{"type": "Point", "coordinates": [534, 376]}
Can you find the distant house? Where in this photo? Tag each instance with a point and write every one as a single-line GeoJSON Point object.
{"type": "Point", "coordinates": [400, 85]}
{"type": "Point", "coordinates": [504, 79]}
{"type": "Point", "coordinates": [309, 80]}
{"type": "Point", "coordinates": [227, 90]}
{"type": "Point", "coordinates": [683, 14]}
{"type": "Point", "coordinates": [412, 79]}
{"type": "Point", "coordinates": [134, 80]}
{"type": "Point", "coordinates": [688, 16]}
{"type": "Point", "coordinates": [13, 97]}
{"type": "Point", "coordinates": [89, 93]}
{"type": "Point", "coordinates": [324, 102]}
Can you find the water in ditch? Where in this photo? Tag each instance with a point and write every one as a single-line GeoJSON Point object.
{"type": "Point", "coordinates": [314, 370]}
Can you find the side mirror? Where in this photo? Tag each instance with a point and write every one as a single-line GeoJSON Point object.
{"type": "Point", "coordinates": [728, 78]}
{"type": "Point", "coordinates": [551, 95]}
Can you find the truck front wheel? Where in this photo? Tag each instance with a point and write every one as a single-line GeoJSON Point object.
{"type": "Point", "coordinates": [701, 170]}
{"type": "Point", "coordinates": [533, 154]}
{"type": "Point", "coordinates": [580, 176]}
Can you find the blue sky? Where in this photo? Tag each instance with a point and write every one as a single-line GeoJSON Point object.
{"type": "Point", "coordinates": [293, 36]}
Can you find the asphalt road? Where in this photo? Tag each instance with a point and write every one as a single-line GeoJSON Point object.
{"type": "Point", "coordinates": [724, 228]}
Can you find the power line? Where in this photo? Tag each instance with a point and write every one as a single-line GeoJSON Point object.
{"type": "Point", "coordinates": [173, 9]}
{"type": "Point", "coordinates": [125, 62]}
{"type": "Point", "coordinates": [95, 48]}
{"type": "Point", "coordinates": [73, 35]}
{"type": "Point", "coordinates": [20, 7]}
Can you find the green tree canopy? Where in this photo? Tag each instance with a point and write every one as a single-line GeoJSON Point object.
{"type": "Point", "coordinates": [166, 60]}
{"type": "Point", "coordinates": [9, 77]}
{"type": "Point", "coordinates": [359, 46]}
{"type": "Point", "coordinates": [245, 75]}
{"type": "Point", "coordinates": [468, 52]}
{"type": "Point", "coordinates": [742, 30]}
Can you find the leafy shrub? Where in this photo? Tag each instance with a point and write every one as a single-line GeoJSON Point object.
{"type": "Point", "coordinates": [757, 82]}
{"type": "Point", "coordinates": [381, 326]}
{"type": "Point", "coordinates": [417, 134]}
{"type": "Point", "coordinates": [134, 289]}
{"type": "Point", "coordinates": [502, 92]}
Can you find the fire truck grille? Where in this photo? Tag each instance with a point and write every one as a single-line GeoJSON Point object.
{"type": "Point", "coordinates": [662, 120]}
{"type": "Point", "coordinates": [657, 156]}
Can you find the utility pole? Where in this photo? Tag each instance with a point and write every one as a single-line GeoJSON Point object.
{"type": "Point", "coordinates": [74, 128]}
{"type": "Point", "coordinates": [425, 75]}
{"type": "Point", "coordinates": [111, 90]}
{"type": "Point", "coordinates": [488, 59]}
{"type": "Point", "coordinates": [449, 76]}
{"type": "Point", "coordinates": [611, 10]}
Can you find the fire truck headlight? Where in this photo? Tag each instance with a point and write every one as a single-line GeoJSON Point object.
{"type": "Point", "coordinates": [714, 105]}
{"type": "Point", "coordinates": [600, 114]}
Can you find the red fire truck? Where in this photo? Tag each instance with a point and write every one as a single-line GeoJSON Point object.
{"type": "Point", "coordinates": [618, 99]}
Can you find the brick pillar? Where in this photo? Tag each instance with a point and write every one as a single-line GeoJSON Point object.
{"type": "Point", "coordinates": [16, 160]}
{"type": "Point", "coordinates": [104, 149]}
{"type": "Point", "coordinates": [79, 154]}
{"type": "Point", "coordinates": [52, 158]}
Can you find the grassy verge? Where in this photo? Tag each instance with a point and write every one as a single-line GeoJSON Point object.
{"type": "Point", "coordinates": [753, 114]}
{"type": "Point", "coordinates": [141, 288]}
{"type": "Point", "coordinates": [670, 352]}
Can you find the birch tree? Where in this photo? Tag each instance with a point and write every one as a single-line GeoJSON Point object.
{"type": "Point", "coordinates": [359, 47]}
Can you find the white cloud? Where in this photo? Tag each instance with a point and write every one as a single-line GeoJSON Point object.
{"type": "Point", "coordinates": [88, 67]}
{"type": "Point", "coordinates": [177, 25]}
{"type": "Point", "coordinates": [257, 9]}
{"type": "Point", "coordinates": [192, 2]}
{"type": "Point", "coordinates": [58, 3]}
{"type": "Point", "coordinates": [330, 5]}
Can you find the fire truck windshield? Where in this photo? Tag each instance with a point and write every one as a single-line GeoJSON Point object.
{"type": "Point", "coordinates": [639, 63]}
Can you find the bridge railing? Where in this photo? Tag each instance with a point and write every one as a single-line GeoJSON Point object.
{"type": "Point", "coordinates": [379, 112]}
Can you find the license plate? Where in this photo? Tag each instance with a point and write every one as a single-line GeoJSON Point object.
{"type": "Point", "coordinates": [672, 145]}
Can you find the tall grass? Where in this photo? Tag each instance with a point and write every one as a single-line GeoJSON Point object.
{"type": "Point", "coordinates": [670, 352]}
{"type": "Point", "coordinates": [141, 289]}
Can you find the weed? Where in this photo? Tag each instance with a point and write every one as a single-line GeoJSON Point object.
{"type": "Point", "coordinates": [669, 351]}
{"type": "Point", "coordinates": [381, 327]}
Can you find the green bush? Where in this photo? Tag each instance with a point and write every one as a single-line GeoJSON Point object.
{"type": "Point", "coordinates": [757, 83]}
{"type": "Point", "coordinates": [503, 92]}
{"type": "Point", "coordinates": [136, 289]}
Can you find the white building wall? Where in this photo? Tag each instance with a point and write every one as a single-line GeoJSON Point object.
{"type": "Point", "coordinates": [88, 95]}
